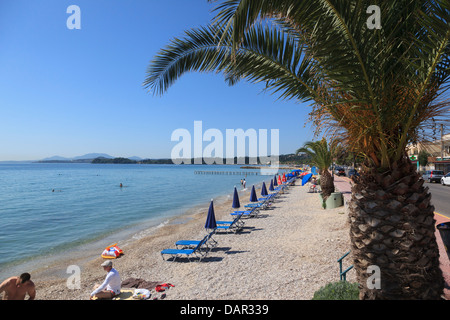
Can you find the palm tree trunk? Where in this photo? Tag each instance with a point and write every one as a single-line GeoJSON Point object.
{"type": "Point", "coordinates": [393, 228]}
{"type": "Point", "coordinates": [326, 184]}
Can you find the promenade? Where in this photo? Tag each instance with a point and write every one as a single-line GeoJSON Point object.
{"type": "Point", "coordinates": [343, 185]}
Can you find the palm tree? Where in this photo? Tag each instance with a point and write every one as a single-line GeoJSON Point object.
{"type": "Point", "coordinates": [322, 157]}
{"type": "Point", "coordinates": [378, 89]}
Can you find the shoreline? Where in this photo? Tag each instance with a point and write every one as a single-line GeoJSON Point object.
{"type": "Point", "coordinates": [53, 266]}
{"type": "Point", "coordinates": [291, 250]}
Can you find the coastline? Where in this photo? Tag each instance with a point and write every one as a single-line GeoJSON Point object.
{"type": "Point", "coordinates": [52, 267]}
{"type": "Point", "coordinates": [287, 253]}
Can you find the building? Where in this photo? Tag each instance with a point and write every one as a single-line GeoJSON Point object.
{"type": "Point", "coordinates": [439, 153]}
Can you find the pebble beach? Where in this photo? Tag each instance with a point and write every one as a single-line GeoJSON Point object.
{"type": "Point", "coordinates": [287, 253]}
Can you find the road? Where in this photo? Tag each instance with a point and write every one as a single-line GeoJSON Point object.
{"type": "Point", "coordinates": [440, 198]}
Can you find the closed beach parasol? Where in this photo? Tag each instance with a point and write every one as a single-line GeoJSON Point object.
{"type": "Point", "coordinates": [264, 190]}
{"type": "Point", "coordinates": [211, 218]}
{"type": "Point", "coordinates": [236, 203]}
{"type": "Point", "coordinates": [253, 197]}
{"type": "Point", "coordinates": [271, 185]}
{"type": "Point", "coordinates": [275, 181]}
{"type": "Point", "coordinates": [279, 180]}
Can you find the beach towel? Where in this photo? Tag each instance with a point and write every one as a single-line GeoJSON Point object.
{"type": "Point", "coordinates": [139, 283]}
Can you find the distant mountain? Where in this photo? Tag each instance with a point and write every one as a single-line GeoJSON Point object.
{"type": "Point", "coordinates": [93, 156]}
{"type": "Point", "coordinates": [56, 158]}
{"type": "Point", "coordinates": [87, 158]}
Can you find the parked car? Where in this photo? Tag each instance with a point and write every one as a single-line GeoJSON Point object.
{"type": "Point", "coordinates": [433, 175]}
{"type": "Point", "coordinates": [445, 180]}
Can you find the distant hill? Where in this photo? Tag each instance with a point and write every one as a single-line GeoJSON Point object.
{"type": "Point", "coordinates": [87, 158]}
{"type": "Point", "coordinates": [56, 158]}
{"type": "Point", "coordinates": [93, 156]}
{"type": "Point", "coordinates": [99, 158]}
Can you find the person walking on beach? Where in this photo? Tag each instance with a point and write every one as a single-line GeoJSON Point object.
{"type": "Point", "coordinates": [16, 288]}
{"type": "Point", "coordinates": [111, 286]}
{"type": "Point", "coordinates": [243, 183]}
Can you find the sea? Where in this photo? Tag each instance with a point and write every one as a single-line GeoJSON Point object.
{"type": "Point", "coordinates": [50, 209]}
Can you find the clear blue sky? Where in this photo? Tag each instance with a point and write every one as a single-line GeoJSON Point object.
{"type": "Point", "coordinates": [71, 92]}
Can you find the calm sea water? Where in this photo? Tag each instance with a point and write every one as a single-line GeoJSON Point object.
{"type": "Point", "coordinates": [49, 208]}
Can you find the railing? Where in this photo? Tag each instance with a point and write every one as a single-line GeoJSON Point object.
{"type": "Point", "coordinates": [343, 274]}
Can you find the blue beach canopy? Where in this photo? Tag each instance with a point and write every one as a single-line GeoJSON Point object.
{"type": "Point", "coordinates": [264, 190]}
{"type": "Point", "coordinates": [253, 197]}
{"type": "Point", "coordinates": [211, 218]}
{"type": "Point", "coordinates": [306, 178]}
{"type": "Point", "coordinates": [236, 203]}
{"type": "Point", "coordinates": [271, 185]}
{"type": "Point", "coordinates": [275, 183]}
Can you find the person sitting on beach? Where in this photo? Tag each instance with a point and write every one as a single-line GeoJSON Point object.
{"type": "Point", "coordinates": [111, 286]}
{"type": "Point", "coordinates": [16, 288]}
{"type": "Point", "coordinates": [314, 184]}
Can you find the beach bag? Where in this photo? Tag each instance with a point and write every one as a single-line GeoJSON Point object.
{"type": "Point", "coordinates": [141, 294]}
{"type": "Point", "coordinates": [112, 252]}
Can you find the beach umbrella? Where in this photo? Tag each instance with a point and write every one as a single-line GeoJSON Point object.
{"type": "Point", "coordinates": [211, 218]}
{"type": "Point", "coordinates": [271, 185]}
{"type": "Point", "coordinates": [264, 190]}
{"type": "Point", "coordinates": [284, 178]}
{"type": "Point", "coordinates": [253, 197]}
{"type": "Point", "coordinates": [279, 180]}
{"type": "Point", "coordinates": [236, 203]}
{"type": "Point", "coordinates": [306, 178]}
{"type": "Point", "coordinates": [275, 181]}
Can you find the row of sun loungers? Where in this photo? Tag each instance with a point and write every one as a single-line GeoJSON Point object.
{"type": "Point", "coordinates": [198, 249]}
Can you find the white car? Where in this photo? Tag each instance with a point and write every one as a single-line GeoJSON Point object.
{"type": "Point", "coordinates": [445, 180]}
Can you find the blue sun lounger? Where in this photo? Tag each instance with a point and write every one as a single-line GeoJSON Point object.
{"type": "Point", "coordinates": [196, 251]}
{"type": "Point", "coordinates": [209, 242]}
{"type": "Point", "coordinates": [234, 226]}
{"type": "Point", "coordinates": [239, 223]}
{"type": "Point", "coordinates": [260, 205]}
{"type": "Point", "coordinates": [246, 213]}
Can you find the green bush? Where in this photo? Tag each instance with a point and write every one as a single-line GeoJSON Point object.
{"type": "Point", "coordinates": [341, 290]}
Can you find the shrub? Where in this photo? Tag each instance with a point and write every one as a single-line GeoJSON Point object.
{"type": "Point", "coordinates": [341, 290]}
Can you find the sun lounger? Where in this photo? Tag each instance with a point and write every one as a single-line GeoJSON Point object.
{"type": "Point", "coordinates": [208, 243]}
{"type": "Point", "coordinates": [234, 226]}
{"type": "Point", "coordinates": [260, 205]}
{"type": "Point", "coordinates": [228, 223]}
{"type": "Point", "coordinates": [196, 251]}
{"type": "Point", "coordinates": [253, 212]}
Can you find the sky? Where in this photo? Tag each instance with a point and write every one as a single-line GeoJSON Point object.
{"type": "Point", "coordinates": [70, 92]}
